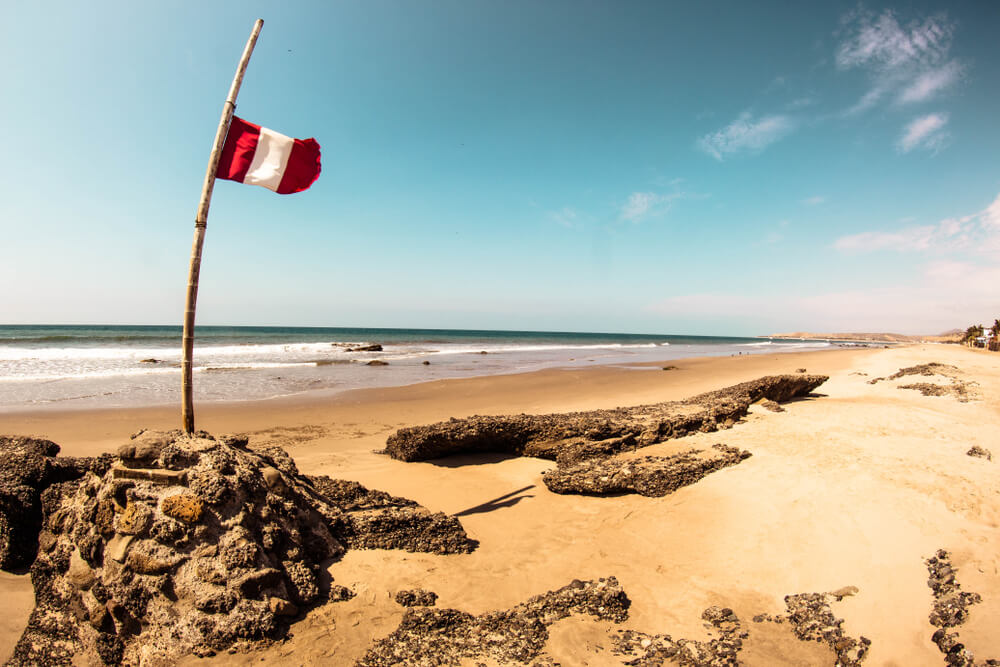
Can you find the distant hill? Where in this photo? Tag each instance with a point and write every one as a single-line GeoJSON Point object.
{"type": "Point", "coordinates": [953, 336]}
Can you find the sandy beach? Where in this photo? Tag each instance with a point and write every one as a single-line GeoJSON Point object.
{"type": "Point", "coordinates": [854, 486]}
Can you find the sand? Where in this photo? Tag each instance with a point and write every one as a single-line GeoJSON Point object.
{"type": "Point", "coordinates": [856, 486]}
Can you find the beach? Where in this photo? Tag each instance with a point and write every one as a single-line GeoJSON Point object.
{"type": "Point", "coordinates": [856, 485]}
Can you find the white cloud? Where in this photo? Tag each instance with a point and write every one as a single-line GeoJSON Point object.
{"type": "Point", "coordinates": [979, 232]}
{"type": "Point", "coordinates": [639, 205]}
{"type": "Point", "coordinates": [925, 132]}
{"type": "Point", "coordinates": [814, 201]}
{"type": "Point", "coordinates": [745, 134]}
{"type": "Point", "coordinates": [909, 63]}
{"type": "Point", "coordinates": [945, 295]}
{"type": "Point", "coordinates": [931, 82]}
{"type": "Point", "coordinates": [881, 42]}
{"type": "Point", "coordinates": [565, 216]}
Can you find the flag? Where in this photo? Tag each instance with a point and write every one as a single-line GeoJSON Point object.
{"type": "Point", "coordinates": [256, 155]}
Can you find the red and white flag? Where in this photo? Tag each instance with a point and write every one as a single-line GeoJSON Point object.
{"type": "Point", "coordinates": [256, 155]}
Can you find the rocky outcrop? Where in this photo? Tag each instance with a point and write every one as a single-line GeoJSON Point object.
{"type": "Point", "coordinates": [648, 476]}
{"type": "Point", "coordinates": [963, 390]}
{"type": "Point", "coordinates": [429, 636]}
{"type": "Point", "coordinates": [645, 650]}
{"type": "Point", "coordinates": [417, 597]}
{"type": "Point", "coordinates": [576, 436]}
{"type": "Point", "coordinates": [951, 609]}
{"type": "Point", "coordinates": [811, 619]}
{"type": "Point", "coordinates": [196, 544]}
{"type": "Point", "coordinates": [375, 347]}
{"type": "Point", "coordinates": [30, 465]}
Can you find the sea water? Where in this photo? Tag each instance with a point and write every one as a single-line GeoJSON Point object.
{"type": "Point", "coordinates": [120, 366]}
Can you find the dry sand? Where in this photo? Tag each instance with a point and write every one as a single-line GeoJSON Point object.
{"type": "Point", "coordinates": [855, 487]}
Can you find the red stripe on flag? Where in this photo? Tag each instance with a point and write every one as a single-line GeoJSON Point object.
{"type": "Point", "coordinates": [303, 167]}
{"type": "Point", "coordinates": [237, 153]}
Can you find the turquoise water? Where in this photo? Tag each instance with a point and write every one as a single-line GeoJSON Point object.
{"type": "Point", "coordinates": [112, 366]}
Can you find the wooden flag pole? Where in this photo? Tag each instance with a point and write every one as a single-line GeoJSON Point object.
{"type": "Point", "coordinates": [201, 222]}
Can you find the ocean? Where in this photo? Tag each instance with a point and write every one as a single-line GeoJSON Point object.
{"type": "Point", "coordinates": [123, 366]}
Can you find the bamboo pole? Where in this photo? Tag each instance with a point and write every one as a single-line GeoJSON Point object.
{"type": "Point", "coordinates": [200, 223]}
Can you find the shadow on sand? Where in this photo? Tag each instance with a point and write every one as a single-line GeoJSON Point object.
{"type": "Point", "coordinates": [506, 500]}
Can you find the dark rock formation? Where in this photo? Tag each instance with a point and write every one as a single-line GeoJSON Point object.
{"type": "Point", "coordinates": [377, 520]}
{"type": "Point", "coordinates": [211, 546]}
{"type": "Point", "coordinates": [647, 476]}
{"type": "Point", "coordinates": [811, 619]}
{"type": "Point", "coordinates": [960, 390]}
{"type": "Point", "coordinates": [579, 435]}
{"type": "Point", "coordinates": [927, 370]}
{"type": "Point", "coordinates": [980, 452]}
{"type": "Point", "coordinates": [417, 597]}
{"type": "Point", "coordinates": [656, 650]}
{"type": "Point", "coordinates": [377, 362]}
{"type": "Point", "coordinates": [428, 636]}
{"type": "Point", "coordinates": [951, 609]}
{"type": "Point", "coordinates": [29, 467]}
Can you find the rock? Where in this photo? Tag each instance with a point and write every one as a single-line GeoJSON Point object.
{"type": "Point", "coordinates": [800, 370]}
{"type": "Point", "coordinates": [144, 448]}
{"type": "Point", "coordinates": [164, 477]}
{"type": "Point", "coordinates": [136, 519]}
{"type": "Point", "coordinates": [546, 436]}
{"type": "Point", "coordinates": [812, 619]}
{"type": "Point", "coordinates": [272, 477]}
{"type": "Point", "coordinates": [426, 363]}
{"type": "Point", "coordinates": [118, 546]}
{"type": "Point", "coordinates": [417, 597]}
{"type": "Point", "coordinates": [844, 591]}
{"type": "Point", "coordinates": [149, 361]}
{"type": "Point", "coordinates": [137, 570]}
{"type": "Point", "coordinates": [183, 507]}
{"type": "Point", "coordinates": [648, 476]}
{"type": "Point", "coordinates": [281, 607]}
{"type": "Point", "coordinates": [669, 368]}
{"type": "Point", "coordinates": [30, 467]}
{"type": "Point", "coordinates": [377, 362]}
{"type": "Point", "coordinates": [770, 405]}
{"type": "Point", "coordinates": [722, 650]}
{"type": "Point", "coordinates": [431, 636]}
{"type": "Point", "coordinates": [366, 348]}
{"type": "Point", "coordinates": [980, 452]}
{"type": "Point", "coordinates": [79, 573]}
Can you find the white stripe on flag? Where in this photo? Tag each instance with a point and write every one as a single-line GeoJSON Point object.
{"type": "Point", "coordinates": [269, 159]}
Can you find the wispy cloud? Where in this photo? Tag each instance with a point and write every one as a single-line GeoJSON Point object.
{"type": "Point", "coordinates": [814, 201]}
{"type": "Point", "coordinates": [979, 232]}
{"type": "Point", "coordinates": [746, 134]}
{"type": "Point", "coordinates": [930, 83]}
{"type": "Point", "coordinates": [565, 217]}
{"type": "Point", "coordinates": [638, 205]}
{"type": "Point", "coordinates": [925, 132]}
{"type": "Point", "coordinates": [909, 64]}
{"type": "Point", "coordinates": [642, 205]}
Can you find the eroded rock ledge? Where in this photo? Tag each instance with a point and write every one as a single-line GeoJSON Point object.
{"type": "Point", "coordinates": [950, 610]}
{"type": "Point", "coordinates": [186, 545]}
{"type": "Point", "coordinates": [652, 476]}
{"type": "Point", "coordinates": [575, 436]}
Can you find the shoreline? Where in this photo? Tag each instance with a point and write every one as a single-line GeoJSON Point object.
{"type": "Point", "coordinates": [855, 486]}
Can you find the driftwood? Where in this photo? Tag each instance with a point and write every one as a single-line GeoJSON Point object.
{"type": "Point", "coordinates": [576, 436]}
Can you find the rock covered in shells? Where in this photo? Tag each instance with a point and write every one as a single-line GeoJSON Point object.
{"type": "Point", "coordinates": [209, 546]}
{"type": "Point", "coordinates": [30, 466]}
{"type": "Point", "coordinates": [417, 597]}
{"type": "Point", "coordinates": [647, 650]}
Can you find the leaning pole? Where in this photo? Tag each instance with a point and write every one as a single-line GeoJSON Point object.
{"type": "Point", "coordinates": [200, 223]}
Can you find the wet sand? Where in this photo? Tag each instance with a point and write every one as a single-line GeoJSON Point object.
{"type": "Point", "coordinates": [855, 486]}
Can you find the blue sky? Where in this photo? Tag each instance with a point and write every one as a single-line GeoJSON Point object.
{"type": "Point", "coordinates": [660, 167]}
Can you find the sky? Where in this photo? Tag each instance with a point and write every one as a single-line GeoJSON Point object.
{"type": "Point", "coordinates": [718, 168]}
